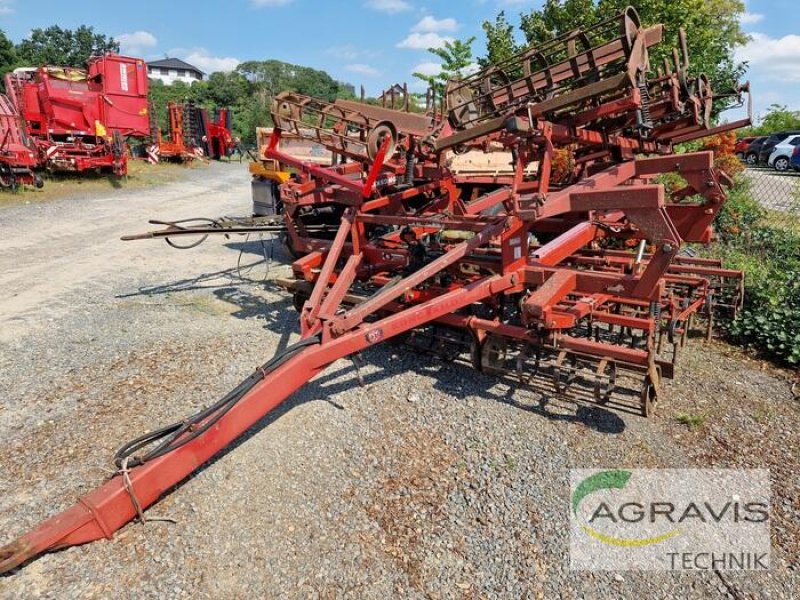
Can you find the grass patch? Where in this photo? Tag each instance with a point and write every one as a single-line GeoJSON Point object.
{"type": "Point", "coordinates": [141, 174]}
{"type": "Point", "coordinates": [209, 306]}
{"type": "Point", "coordinates": [692, 421]}
{"type": "Point", "coordinates": [762, 416]}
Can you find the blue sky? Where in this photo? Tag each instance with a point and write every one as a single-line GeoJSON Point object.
{"type": "Point", "coordinates": [369, 42]}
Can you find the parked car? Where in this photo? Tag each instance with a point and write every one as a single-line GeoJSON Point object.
{"type": "Point", "coordinates": [751, 153]}
{"type": "Point", "coordinates": [795, 161]}
{"type": "Point", "coordinates": [782, 154]}
{"type": "Point", "coordinates": [741, 146]}
{"type": "Point", "coordinates": [771, 142]}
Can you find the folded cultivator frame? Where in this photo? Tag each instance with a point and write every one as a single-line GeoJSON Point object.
{"type": "Point", "coordinates": [193, 134]}
{"type": "Point", "coordinates": [577, 275]}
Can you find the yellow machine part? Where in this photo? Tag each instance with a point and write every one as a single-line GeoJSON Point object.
{"type": "Point", "coordinates": [66, 73]}
{"type": "Point", "coordinates": [269, 170]}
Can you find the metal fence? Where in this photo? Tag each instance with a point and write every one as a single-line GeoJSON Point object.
{"type": "Point", "coordinates": [779, 192]}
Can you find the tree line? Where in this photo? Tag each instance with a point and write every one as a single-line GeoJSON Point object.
{"type": "Point", "coordinates": [713, 30]}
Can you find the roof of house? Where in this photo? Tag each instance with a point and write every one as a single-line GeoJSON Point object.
{"type": "Point", "coordinates": [174, 63]}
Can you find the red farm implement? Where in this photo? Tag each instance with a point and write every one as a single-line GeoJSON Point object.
{"type": "Point", "coordinates": [78, 118]}
{"type": "Point", "coordinates": [575, 278]}
{"type": "Point", "coordinates": [183, 140]}
{"type": "Point", "coordinates": [217, 139]}
{"type": "Point", "coordinates": [18, 155]}
{"type": "Point", "coordinates": [193, 134]}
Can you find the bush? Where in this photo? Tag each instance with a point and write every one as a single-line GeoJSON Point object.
{"type": "Point", "coordinates": [770, 321]}
{"type": "Point", "coordinates": [740, 213]}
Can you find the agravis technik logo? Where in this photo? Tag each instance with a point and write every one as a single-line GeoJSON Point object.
{"type": "Point", "coordinates": [670, 519]}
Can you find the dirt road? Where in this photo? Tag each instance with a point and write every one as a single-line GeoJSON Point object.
{"type": "Point", "coordinates": [430, 481]}
{"type": "Point", "coordinates": [52, 249]}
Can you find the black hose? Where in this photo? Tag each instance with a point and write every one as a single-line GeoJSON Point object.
{"type": "Point", "coordinates": [178, 434]}
{"type": "Point", "coordinates": [178, 225]}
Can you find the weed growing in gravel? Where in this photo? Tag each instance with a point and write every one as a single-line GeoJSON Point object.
{"type": "Point", "coordinates": [762, 416]}
{"type": "Point", "coordinates": [692, 421]}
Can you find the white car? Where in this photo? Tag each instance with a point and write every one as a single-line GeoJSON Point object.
{"type": "Point", "coordinates": [781, 157]}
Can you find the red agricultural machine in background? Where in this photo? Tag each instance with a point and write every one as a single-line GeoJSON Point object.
{"type": "Point", "coordinates": [18, 155]}
{"type": "Point", "coordinates": [180, 143]}
{"type": "Point", "coordinates": [192, 134]}
{"type": "Point", "coordinates": [78, 118]}
{"type": "Point", "coordinates": [569, 270]}
{"type": "Point", "coordinates": [217, 139]}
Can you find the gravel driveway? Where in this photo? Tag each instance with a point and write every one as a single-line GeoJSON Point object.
{"type": "Point", "coordinates": [430, 481]}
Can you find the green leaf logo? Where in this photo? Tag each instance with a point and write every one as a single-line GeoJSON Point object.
{"type": "Point", "coordinates": [607, 480]}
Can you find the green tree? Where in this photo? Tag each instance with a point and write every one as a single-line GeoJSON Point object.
{"type": "Point", "coordinates": [712, 26]}
{"type": "Point", "coordinates": [275, 76]}
{"type": "Point", "coordinates": [8, 53]}
{"type": "Point", "coordinates": [63, 47]}
{"type": "Point", "coordinates": [224, 89]}
{"type": "Point", "coordinates": [456, 57]}
{"type": "Point", "coordinates": [500, 42]}
{"type": "Point", "coordinates": [778, 118]}
{"type": "Point", "coordinates": [557, 17]}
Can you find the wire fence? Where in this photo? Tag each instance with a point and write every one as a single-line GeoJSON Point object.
{"type": "Point", "coordinates": [777, 191]}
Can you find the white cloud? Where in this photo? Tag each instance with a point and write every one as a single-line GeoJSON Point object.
{"type": "Point", "coordinates": [270, 3]}
{"type": "Point", "coordinates": [428, 68]}
{"type": "Point", "coordinates": [6, 7]}
{"type": "Point", "coordinates": [350, 52]}
{"type": "Point", "coordinates": [423, 41]}
{"type": "Point", "coordinates": [136, 42]}
{"type": "Point", "coordinates": [388, 6]}
{"type": "Point", "coordinates": [429, 23]}
{"type": "Point", "coordinates": [362, 69]}
{"type": "Point", "coordinates": [774, 59]}
{"type": "Point", "coordinates": [345, 52]}
{"type": "Point", "coordinates": [471, 69]}
{"type": "Point", "coordinates": [204, 60]}
{"type": "Point", "coordinates": [749, 18]}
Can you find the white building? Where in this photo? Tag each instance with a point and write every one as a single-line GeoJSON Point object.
{"type": "Point", "coordinates": [170, 70]}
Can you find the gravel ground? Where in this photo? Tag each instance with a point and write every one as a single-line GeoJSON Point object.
{"type": "Point", "coordinates": [430, 481]}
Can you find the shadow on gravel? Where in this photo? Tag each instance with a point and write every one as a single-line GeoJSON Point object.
{"type": "Point", "coordinates": [453, 379]}
{"type": "Point", "coordinates": [231, 277]}
{"type": "Point", "coordinates": [576, 406]}
{"type": "Point", "coordinates": [185, 285]}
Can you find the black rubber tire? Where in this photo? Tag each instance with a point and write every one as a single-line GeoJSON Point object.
{"type": "Point", "coordinates": [781, 164]}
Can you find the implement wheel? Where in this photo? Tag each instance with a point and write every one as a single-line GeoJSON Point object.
{"type": "Point", "coordinates": [649, 396]}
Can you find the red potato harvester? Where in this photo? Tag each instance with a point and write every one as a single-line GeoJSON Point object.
{"type": "Point", "coordinates": [79, 118]}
